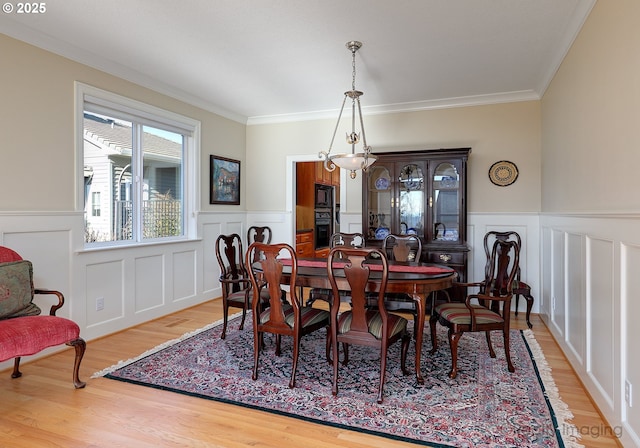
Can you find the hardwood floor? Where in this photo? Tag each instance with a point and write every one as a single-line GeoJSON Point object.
{"type": "Point", "coordinates": [42, 409]}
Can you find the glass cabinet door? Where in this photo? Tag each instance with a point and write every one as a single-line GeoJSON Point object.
{"type": "Point", "coordinates": [411, 199]}
{"type": "Point", "coordinates": [380, 191]}
{"type": "Point", "coordinates": [445, 202]}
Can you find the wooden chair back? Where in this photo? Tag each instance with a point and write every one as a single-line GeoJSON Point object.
{"type": "Point", "coordinates": [338, 239]}
{"type": "Point", "coordinates": [492, 236]}
{"type": "Point", "coordinates": [269, 278]}
{"type": "Point", "coordinates": [259, 234]}
{"type": "Point", "coordinates": [502, 268]}
{"type": "Point", "coordinates": [352, 240]}
{"type": "Point", "coordinates": [234, 281]}
{"type": "Point", "coordinates": [520, 287]}
{"type": "Point", "coordinates": [230, 256]}
{"type": "Point", "coordinates": [402, 247]}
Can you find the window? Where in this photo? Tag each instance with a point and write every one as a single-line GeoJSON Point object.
{"type": "Point", "coordinates": [95, 203]}
{"type": "Point", "coordinates": [138, 170]}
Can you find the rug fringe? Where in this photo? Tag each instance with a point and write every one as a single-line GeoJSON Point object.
{"type": "Point", "coordinates": [568, 431]}
{"type": "Point", "coordinates": [157, 348]}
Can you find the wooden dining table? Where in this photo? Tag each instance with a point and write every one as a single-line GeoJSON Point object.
{"type": "Point", "coordinates": [418, 280]}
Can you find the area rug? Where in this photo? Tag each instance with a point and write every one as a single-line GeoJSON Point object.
{"type": "Point", "coordinates": [485, 406]}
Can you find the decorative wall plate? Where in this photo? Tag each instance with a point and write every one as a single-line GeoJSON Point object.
{"type": "Point", "coordinates": [503, 173]}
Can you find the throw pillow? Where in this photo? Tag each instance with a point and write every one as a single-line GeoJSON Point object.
{"type": "Point", "coordinates": [16, 290]}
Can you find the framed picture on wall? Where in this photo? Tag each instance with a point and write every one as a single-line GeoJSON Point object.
{"type": "Point", "coordinates": [224, 181]}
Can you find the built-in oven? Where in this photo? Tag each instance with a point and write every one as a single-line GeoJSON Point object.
{"type": "Point", "coordinates": [324, 196]}
{"type": "Point", "coordinates": [323, 228]}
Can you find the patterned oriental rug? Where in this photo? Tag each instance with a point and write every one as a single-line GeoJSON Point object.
{"type": "Point", "coordinates": [485, 406]}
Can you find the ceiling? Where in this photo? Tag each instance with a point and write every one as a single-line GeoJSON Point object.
{"type": "Point", "coordinates": [258, 61]}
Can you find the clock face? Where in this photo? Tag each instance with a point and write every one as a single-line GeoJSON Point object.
{"type": "Point", "coordinates": [503, 173]}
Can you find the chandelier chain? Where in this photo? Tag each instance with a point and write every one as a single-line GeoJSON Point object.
{"type": "Point", "coordinates": [353, 68]}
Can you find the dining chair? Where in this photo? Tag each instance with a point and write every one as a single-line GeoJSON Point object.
{"type": "Point", "coordinates": [280, 318]}
{"type": "Point", "coordinates": [492, 310]}
{"type": "Point", "coordinates": [519, 287]}
{"type": "Point", "coordinates": [359, 325]}
{"type": "Point", "coordinates": [338, 239]}
{"type": "Point", "coordinates": [403, 248]}
{"type": "Point", "coordinates": [235, 283]}
{"type": "Point", "coordinates": [260, 234]}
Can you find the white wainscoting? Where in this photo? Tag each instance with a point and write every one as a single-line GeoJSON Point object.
{"type": "Point", "coordinates": [583, 270]}
{"type": "Point", "coordinates": [136, 284]}
{"type": "Point", "coordinates": [590, 286]}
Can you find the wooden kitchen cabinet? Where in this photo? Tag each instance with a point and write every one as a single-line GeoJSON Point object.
{"type": "Point", "coordinates": [322, 253]}
{"type": "Point", "coordinates": [304, 244]}
{"type": "Point", "coordinates": [422, 193]}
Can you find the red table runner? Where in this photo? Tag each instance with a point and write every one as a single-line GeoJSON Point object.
{"type": "Point", "coordinates": [374, 267]}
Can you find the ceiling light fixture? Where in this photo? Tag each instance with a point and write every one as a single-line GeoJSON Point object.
{"type": "Point", "coordinates": [350, 161]}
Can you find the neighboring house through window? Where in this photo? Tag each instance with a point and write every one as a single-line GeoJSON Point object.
{"type": "Point", "coordinates": [138, 170]}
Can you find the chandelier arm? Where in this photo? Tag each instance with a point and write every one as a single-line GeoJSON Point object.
{"type": "Point", "coordinates": [365, 148]}
{"type": "Point", "coordinates": [335, 130]}
{"type": "Point", "coordinates": [364, 137]}
{"type": "Point", "coordinates": [354, 140]}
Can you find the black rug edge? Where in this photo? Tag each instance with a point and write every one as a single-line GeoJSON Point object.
{"type": "Point", "coordinates": [284, 414]}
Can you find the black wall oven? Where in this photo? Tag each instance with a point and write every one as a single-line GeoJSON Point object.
{"type": "Point", "coordinates": [324, 196]}
{"type": "Point", "coordinates": [323, 227]}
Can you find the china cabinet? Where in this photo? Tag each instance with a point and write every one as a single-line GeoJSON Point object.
{"type": "Point", "coordinates": [422, 193]}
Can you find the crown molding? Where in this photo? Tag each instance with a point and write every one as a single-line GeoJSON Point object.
{"type": "Point", "coordinates": [414, 106]}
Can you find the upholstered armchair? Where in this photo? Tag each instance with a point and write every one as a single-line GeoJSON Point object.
{"type": "Point", "coordinates": [23, 331]}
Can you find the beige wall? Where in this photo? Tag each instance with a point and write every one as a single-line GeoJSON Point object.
{"type": "Point", "coordinates": [37, 127]}
{"type": "Point", "coordinates": [590, 246]}
{"type": "Point", "coordinates": [496, 132]}
{"type": "Point", "coordinates": [591, 116]}
{"type": "Point", "coordinates": [38, 140]}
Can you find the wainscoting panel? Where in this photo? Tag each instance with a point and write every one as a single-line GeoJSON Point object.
{"type": "Point", "coordinates": [630, 289]}
{"type": "Point", "coordinates": [600, 299]}
{"type": "Point", "coordinates": [547, 274]}
{"type": "Point", "coordinates": [237, 227]}
{"type": "Point", "coordinates": [105, 284]}
{"type": "Point", "coordinates": [149, 294]}
{"type": "Point", "coordinates": [558, 282]}
{"type": "Point", "coordinates": [184, 275]}
{"type": "Point", "coordinates": [576, 306]}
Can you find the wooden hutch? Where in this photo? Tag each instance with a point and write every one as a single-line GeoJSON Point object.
{"type": "Point", "coordinates": [421, 192]}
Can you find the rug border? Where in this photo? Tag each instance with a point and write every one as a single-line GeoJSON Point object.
{"type": "Point", "coordinates": [559, 410]}
{"type": "Point", "coordinates": [159, 347]}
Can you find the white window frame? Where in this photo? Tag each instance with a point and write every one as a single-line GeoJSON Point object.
{"type": "Point", "coordinates": [153, 116]}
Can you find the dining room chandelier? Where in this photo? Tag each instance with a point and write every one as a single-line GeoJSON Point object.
{"type": "Point", "coordinates": [352, 161]}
